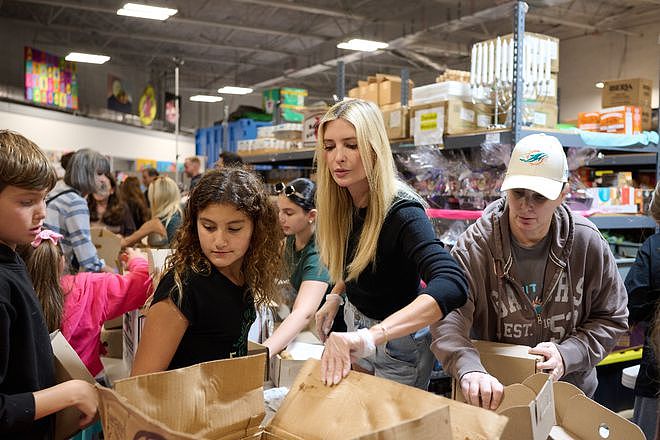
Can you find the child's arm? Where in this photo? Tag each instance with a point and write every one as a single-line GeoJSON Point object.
{"type": "Point", "coordinates": [163, 329]}
{"type": "Point", "coordinates": [76, 393]}
{"type": "Point", "coordinates": [307, 302]}
{"type": "Point", "coordinates": [153, 225]}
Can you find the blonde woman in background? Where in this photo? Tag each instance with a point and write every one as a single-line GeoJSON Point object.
{"type": "Point", "coordinates": [643, 286]}
{"type": "Point", "coordinates": [166, 215]}
{"type": "Point", "coordinates": [378, 244]}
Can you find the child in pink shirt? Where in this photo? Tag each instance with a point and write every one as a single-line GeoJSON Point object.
{"type": "Point", "coordinates": [79, 304]}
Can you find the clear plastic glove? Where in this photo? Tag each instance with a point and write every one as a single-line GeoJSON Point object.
{"type": "Point", "coordinates": [340, 349]}
{"type": "Point", "coordinates": [325, 316]}
{"type": "Point", "coordinates": [554, 363]}
{"type": "Point", "coordinates": [482, 389]}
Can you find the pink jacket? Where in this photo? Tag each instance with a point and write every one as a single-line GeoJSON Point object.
{"type": "Point", "coordinates": [91, 298]}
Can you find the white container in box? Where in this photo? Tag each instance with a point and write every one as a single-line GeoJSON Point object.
{"type": "Point", "coordinates": [265, 132]}
{"type": "Point", "coordinates": [441, 91]}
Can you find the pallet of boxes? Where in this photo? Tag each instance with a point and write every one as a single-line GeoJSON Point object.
{"type": "Point", "coordinates": [385, 91]}
{"type": "Point", "coordinates": [539, 408]}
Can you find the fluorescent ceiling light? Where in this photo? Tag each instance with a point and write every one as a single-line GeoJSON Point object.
{"type": "Point", "coordinates": [600, 85]}
{"type": "Point", "coordinates": [87, 58]}
{"type": "Point", "coordinates": [144, 11]}
{"type": "Point", "coordinates": [362, 45]}
{"type": "Point", "coordinates": [231, 90]}
{"type": "Point", "coordinates": [206, 98]}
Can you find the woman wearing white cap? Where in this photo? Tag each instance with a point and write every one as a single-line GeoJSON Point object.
{"type": "Point", "coordinates": [539, 275]}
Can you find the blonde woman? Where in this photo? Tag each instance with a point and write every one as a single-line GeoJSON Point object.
{"type": "Point", "coordinates": [378, 244]}
{"type": "Point", "coordinates": [166, 216]}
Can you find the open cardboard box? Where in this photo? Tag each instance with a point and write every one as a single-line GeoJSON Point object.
{"type": "Point", "coordinates": [538, 408]}
{"type": "Point", "coordinates": [284, 370]}
{"type": "Point", "coordinates": [509, 363]}
{"type": "Point", "coordinates": [68, 366]}
{"type": "Point", "coordinates": [224, 400]}
{"type": "Point", "coordinates": [108, 246]}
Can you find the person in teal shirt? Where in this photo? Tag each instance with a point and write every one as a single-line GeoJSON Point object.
{"type": "Point", "coordinates": [307, 275]}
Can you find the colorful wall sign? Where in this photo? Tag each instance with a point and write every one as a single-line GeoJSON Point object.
{"type": "Point", "coordinates": [50, 80]}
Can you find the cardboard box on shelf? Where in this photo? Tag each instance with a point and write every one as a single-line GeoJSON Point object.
{"type": "Point", "coordinates": [624, 119]}
{"type": "Point", "coordinates": [429, 122]}
{"type": "Point", "coordinates": [369, 92]}
{"type": "Point", "coordinates": [507, 362]}
{"type": "Point", "coordinates": [67, 366]}
{"type": "Point", "coordinates": [389, 89]}
{"type": "Point", "coordinates": [362, 407]}
{"type": "Point", "coordinates": [540, 114]}
{"type": "Point", "coordinates": [354, 92]}
{"type": "Point", "coordinates": [448, 90]}
{"type": "Point", "coordinates": [634, 91]}
{"type": "Point", "coordinates": [396, 121]}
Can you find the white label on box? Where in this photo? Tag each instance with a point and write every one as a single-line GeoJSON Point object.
{"type": "Point", "coordinates": [540, 118]}
{"type": "Point", "coordinates": [428, 126]}
{"type": "Point", "coordinates": [467, 114]}
{"type": "Point", "coordinates": [395, 119]}
{"type": "Point", "coordinates": [483, 120]}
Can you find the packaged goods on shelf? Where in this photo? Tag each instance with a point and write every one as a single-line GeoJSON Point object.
{"type": "Point", "coordinates": [429, 122]}
{"type": "Point", "coordinates": [589, 121]}
{"type": "Point", "coordinates": [396, 120]}
{"type": "Point", "coordinates": [616, 200]}
{"type": "Point", "coordinates": [291, 103]}
{"type": "Point", "coordinates": [624, 119]}
{"type": "Point", "coordinates": [265, 131]}
{"type": "Point", "coordinates": [539, 114]}
{"type": "Point", "coordinates": [453, 75]}
{"type": "Point", "coordinates": [380, 88]}
{"type": "Point", "coordinates": [441, 92]}
{"type": "Point", "coordinates": [629, 92]}
{"type": "Point", "coordinates": [313, 115]}
{"type": "Point", "coordinates": [288, 131]}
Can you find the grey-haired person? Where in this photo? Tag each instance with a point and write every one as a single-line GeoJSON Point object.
{"type": "Point", "coordinates": [539, 275]}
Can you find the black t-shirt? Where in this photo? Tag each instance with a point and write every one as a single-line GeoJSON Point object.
{"type": "Point", "coordinates": [26, 357]}
{"type": "Point", "coordinates": [407, 250]}
{"type": "Point", "coordinates": [219, 317]}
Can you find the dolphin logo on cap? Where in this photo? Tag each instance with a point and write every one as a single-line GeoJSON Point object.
{"type": "Point", "coordinates": [534, 157]}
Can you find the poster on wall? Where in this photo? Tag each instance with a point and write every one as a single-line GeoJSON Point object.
{"type": "Point", "coordinates": [147, 106]}
{"type": "Point", "coordinates": [170, 107]}
{"type": "Point", "coordinates": [50, 79]}
{"type": "Point", "coordinates": [118, 98]}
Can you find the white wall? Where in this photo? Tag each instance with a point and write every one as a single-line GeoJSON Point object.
{"type": "Point", "coordinates": [586, 60]}
{"type": "Point", "coordinates": [60, 131]}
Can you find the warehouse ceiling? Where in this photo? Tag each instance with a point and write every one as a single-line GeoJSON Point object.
{"type": "Point", "coordinates": [267, 43]}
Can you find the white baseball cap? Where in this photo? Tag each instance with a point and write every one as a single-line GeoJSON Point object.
{"type": "Point", "coordinates": [538, 163]}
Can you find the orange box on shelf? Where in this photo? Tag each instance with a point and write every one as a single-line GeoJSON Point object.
{"type": "Point", "coordinates": [589, 121]}
{"type": "Point", "coordinates": [624, 119]}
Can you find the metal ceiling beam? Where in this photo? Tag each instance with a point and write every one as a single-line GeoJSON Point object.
{"type": "Point", "coordinates": [178, 20]}
{"type": "Point", "coordinates": [489, 14]}
{"type": "Point", "coordinates": [422, 59]}
{"type": "Point", "coordinates": [65, 28]}
{"type": "Point", "coordinates": [293, 6]}
{"type": "Point", "coordinates": [543, 19]}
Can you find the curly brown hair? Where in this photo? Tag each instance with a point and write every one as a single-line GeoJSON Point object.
{"type": "Point", "coordinates": [134, 197]}
{"type": "Point", "coordinates": [262, 262]}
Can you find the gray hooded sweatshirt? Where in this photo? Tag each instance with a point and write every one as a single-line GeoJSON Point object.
{"type": "Point", "coordinates": [584, 300]}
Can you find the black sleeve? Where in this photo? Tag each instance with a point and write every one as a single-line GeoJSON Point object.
{"type": "Point", "coordinates": [445, 280]}
{"type": "Point", "coordinates": [16, 410]}
{"type": "Point", "coordinates": [642, 295]}
{"type": "Point", "coordinates": [167, 289]}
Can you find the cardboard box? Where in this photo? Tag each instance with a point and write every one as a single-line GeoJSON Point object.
{"type": "Point", "coordinates": [284, 367]}
{"type": "Point", "coordinates": [389, 89]}
{"type": "Point", "coordinates": [224, 400]}
{"type": "Point", "coordinates": [508, 363]}
{"type": "Point", "coordinates": [623, 119]}
{"type": "Point", "coordinates": [443, 91]}
{"type": "Point", "coordinates": [108, 246]}
{"type": "Point", "coordinates": [635, 91]}
{"type": "Point", "coordinates": [539, 409]}
{"type": "Point", "coordinates": [396, 120]}
{"type": "Point", "coordinates": [429, 122]}
{"type": "Point", "coordinates": [68, 366]}
{"type": "Point", "coordinates": [530, 409]}
{"type": "Point", "coordinates": [354, 92]}
{"type": "Point", "coordinates": [369, 92]}
{"type": "Point", "coordinates": [112, 340]}
{"type": "Point", "coordinates": [540, 114]}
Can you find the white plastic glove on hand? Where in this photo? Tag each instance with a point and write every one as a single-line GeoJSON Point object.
{"type": "Point", "coordinates": [340, 349]}
{"type": "Point", "coordinates": [325, 316]}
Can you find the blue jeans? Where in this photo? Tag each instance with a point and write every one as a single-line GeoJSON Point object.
{"type": "Point", "coordinates": [407, 360]}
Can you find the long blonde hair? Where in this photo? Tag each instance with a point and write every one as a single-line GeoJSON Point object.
{"type": "Point", "coordinates": [164, 198]}
{"type": "Point", "coordinates": [334, 203]}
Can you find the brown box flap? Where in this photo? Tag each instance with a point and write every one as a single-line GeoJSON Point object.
{"type": "Point", "coordinates": [530, 408]}
{"type": "Point", "coordinates": [367, 407]}
{"type": "Point", "coordinates": [221, 399]}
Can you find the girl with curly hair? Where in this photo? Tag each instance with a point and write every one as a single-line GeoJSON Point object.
{"type": "Point", "coordinates": [226, 262]}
